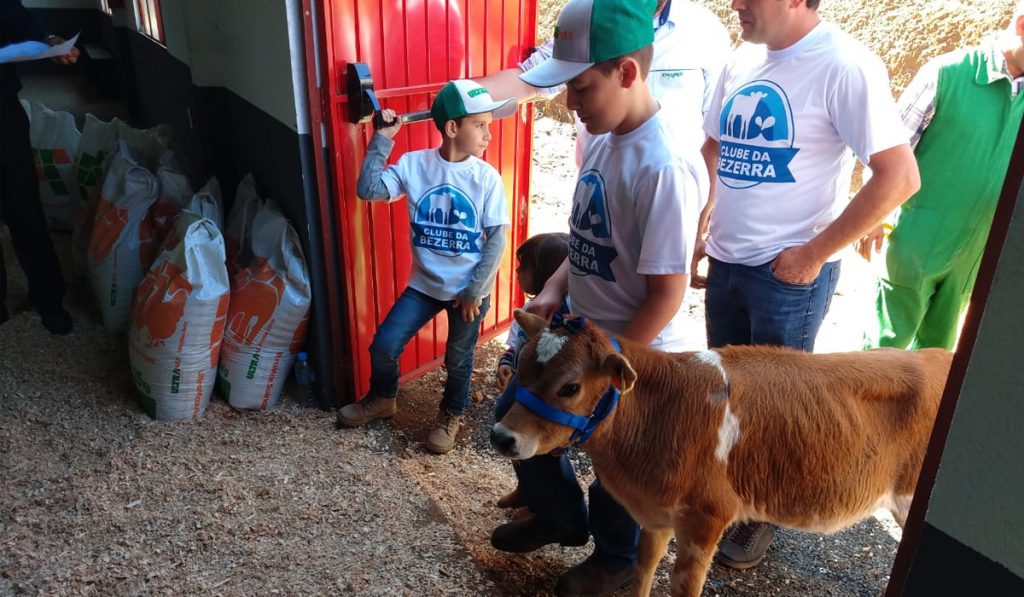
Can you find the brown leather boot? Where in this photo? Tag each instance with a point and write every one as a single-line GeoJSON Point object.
{"type": "Point", "coordinates": [531, 534]}
{"type": "Point", "coordinates": [512, 499]}
{"type": "Point", "coordinates": [744, 545]}
{"type": "Point", "coordinates": [366, 410]}
{"type": "Point", "coordinates": [591, 578]}
{"type": "Point", "coordinates": [441, 438]}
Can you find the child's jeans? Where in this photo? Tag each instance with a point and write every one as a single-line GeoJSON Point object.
{"type": "Point", "coordinates": [552, 492]}
{"type": "Point", "coordinates": [412, 311]}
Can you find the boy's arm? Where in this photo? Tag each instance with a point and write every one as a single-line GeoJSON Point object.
{"type": "Point", "coordinates": [483, 274]}
{"type": "Point", "coordinates": [664, 297]}
{"type": "Point", "coordinates": [370, 185]}
{"type": "Point", "coordinates": [550, 298]}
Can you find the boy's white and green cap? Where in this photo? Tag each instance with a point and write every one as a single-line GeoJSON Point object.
{"type": "Point", "coordinates": [463, 97]}
{"type": "Point", "coordinates": [590, 31]}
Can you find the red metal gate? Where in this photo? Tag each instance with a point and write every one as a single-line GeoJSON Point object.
{"type": "Point", "coordinates": [413, 47]}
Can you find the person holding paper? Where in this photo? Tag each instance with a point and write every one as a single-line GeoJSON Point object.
{"type": "Point", "coordinates": [20, 205]}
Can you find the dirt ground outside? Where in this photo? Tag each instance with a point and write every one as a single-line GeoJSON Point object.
{"type": "Point", "coordinates": [97, 499]}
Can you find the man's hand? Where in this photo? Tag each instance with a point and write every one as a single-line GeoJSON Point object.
{"type": "Point", "coordinates": [872, 240]}
{"type": "Point", "coordinates": [796, 266]}
{"type": "Point", "coordinates": [394, 123]}
{"type": "Point", "coordinates": [699, 253]}
{"type": "Point", "coordinates": [470, 308]}
{"type": "Point", "coordinates": [501, 377]}
{"type": "Point", "coordinates": [70, 58]}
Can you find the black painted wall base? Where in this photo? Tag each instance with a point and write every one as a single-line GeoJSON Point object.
{"type": "Point", "coordinates": [943, 567]}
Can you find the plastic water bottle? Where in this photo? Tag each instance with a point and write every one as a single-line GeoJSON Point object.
{"type": "Point", "coordinates": [304, 379]}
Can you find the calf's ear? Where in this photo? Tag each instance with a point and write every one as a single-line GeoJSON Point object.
{"type": "Point", "coordinates": [618, 368]}
{"type": "Point", "coordinates": [530, 323]}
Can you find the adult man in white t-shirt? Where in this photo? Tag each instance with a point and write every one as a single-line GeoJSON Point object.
{"type": "Point", "coordinates": [691, 46]}
{"type": "Point", "coordinates": [788, 110]}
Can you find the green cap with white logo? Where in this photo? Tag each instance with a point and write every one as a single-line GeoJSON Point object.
{"type": "Point", "coordinates": [463, 97]}
{"type": "Point", "coordinates": [590, 31]}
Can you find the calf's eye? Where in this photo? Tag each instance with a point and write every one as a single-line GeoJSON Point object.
{"type": "Point", "coordinates": [570, 389]}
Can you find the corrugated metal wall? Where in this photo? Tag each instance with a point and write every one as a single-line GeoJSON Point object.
{"type": "Point", "coordinates": [413, 47]}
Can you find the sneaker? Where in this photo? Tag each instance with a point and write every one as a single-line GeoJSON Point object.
{"type": "Point", "coordinates": [368, 409]}
{"type": "Point", "coordinates": [592, 577]}
{"type": "Point", "coordinates": [531, 534]}
{"type": "Point", "coordinates": [441, 439]}
{"type": "Point", "coordinates": [744, 545]}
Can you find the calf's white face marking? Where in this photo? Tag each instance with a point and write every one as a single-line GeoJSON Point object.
{"type": "Point", "coordinates": [548, 346]}
{"type": "Point", "coordinates": [728, 435]}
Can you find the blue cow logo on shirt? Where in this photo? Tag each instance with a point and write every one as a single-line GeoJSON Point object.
{"type": "Point", "coordinates": [756, 136]}
{"type": "Point", "coordinates": [590, 248]}
{"type": "Point", "coordinates": [445, 222]}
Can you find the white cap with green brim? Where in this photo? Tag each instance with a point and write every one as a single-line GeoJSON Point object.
{"type": "Point", "coordinates": [590, 31]}
{"type": "Point", "coordinates": [463, 97]}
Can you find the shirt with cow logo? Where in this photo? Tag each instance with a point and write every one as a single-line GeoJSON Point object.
{"type": "Point", "coordinates": [790, 125]}
{"type": "Point", "coordinates": [634, 214]}
{"type": "Point", "coordinates": [450, 206]}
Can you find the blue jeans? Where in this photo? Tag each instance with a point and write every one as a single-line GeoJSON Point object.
{"type": "Point", "coordinates": [552, 492]}
{"type": "Point", "coordinates": [412, 311]}
{"type": "Point", "coordinates": [749, 305]}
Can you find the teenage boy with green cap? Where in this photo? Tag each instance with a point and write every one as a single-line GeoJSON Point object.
{"type": "Point", "coordinates": [631, 226]}
{"type": "Point", "coordinates": [458, 217]}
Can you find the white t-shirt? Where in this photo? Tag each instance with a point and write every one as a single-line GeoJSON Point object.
{"type": "Point", "coordinates": [786, 121]}
{"type": "Point", "coordinates": [634, 214]}
{"type": "Point", "coordinates": [450, 205]}
{"type": "Point", "coordinates": [691, 47]}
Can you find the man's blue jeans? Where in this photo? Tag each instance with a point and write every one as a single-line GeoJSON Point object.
{"type": "Point", "coordinates": [412, 311]}
{"type": "Point", "coordinates": [552, 492]}
{"type": "Point", "coordinates": [749, 305]}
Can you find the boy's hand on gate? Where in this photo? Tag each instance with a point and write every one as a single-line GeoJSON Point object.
{"type": "Point", "coordinates": [394, 123]}
{"type": "Point", "coordinates": [470, 308]}
{"type": "Point", "coordinates": [502, 376]}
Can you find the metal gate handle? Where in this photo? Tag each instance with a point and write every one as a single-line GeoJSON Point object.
{"type": "Point", "coordinates": [363, 105]}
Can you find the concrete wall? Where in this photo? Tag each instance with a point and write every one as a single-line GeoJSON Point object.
{"type": "Point", "coordinates": [978, 498]}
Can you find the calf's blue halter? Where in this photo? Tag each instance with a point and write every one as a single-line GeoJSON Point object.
{"type": "Point", "coordinates": [582, 426]}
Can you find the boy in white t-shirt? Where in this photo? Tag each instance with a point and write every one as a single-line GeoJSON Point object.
{"type": "Point", "coordinates": [458, 217]}
{"type": "Point", "coordinates": [638, 191]}
{"type": "Point", "coordinates": [792, 109]}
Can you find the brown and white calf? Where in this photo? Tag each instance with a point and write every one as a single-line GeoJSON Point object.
{"type": "Point", "coordinates": [700, 440]}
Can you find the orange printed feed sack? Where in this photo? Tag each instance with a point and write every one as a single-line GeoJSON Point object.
{"type": "Point", "coordinates": [178, 321]}
{"type": "Point", "coordinates": [95, 152]}
{"type": "Point", "coordinates": [174, 194]}
{"type": "Point", "coordinates": [268, 315]}
{"type": "Point", "coordinates": [239, 226]}
{"type": "Point", "coordinates": [122, 245]}
{"type": "Point", "coordinates": [207, 202]}
{"type": "Point", "coordinates": [55, 140]}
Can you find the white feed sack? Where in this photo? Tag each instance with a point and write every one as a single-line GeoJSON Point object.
{"type": "Point", "coordinates": [208, 203]}
{"type": "Point", "coordinates": [174, 194]}
{"type": "Point", "coordinates": [122, 244]}
{"type": "Point", "coordinates": [238, 231]}
{"type": "Point", "coordinates": [178, 321]}
{"type": "Point", "coordinates": [267, 317]}
{"type": "Point", "coordinates": [95, 151]}
{"type": "Point", "coordinates": [55, 140]}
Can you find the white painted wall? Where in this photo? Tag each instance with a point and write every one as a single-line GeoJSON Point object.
{"type": "Point", "coordinates": [978, 498]}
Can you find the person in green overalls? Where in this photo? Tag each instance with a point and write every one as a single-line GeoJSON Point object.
{"type": "Point", "coordinates": [964, 109]}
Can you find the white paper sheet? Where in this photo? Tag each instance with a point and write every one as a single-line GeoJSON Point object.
{"type": "Point", "coordinates": [34, 50]}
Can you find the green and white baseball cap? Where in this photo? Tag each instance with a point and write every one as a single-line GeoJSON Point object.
{"type": "Point", "coordinates": [463, 97]}
{"type": "Point", "coordinates": [590, 31]}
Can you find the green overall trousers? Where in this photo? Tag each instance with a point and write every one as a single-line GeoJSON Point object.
{"type": "Point", "coordinates": [936, 246]}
